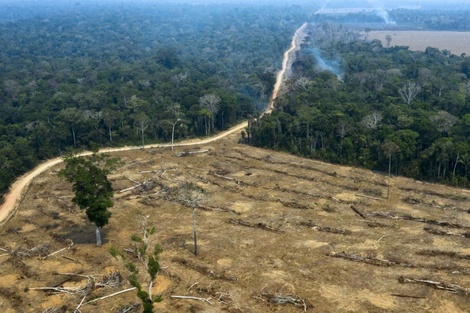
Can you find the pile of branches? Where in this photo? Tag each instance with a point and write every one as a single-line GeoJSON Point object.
{"type": "Point", "coordinates": [436, 285]}
{"type": "Point", "coordinates": [440, 232]}
{"type": "Point", "coordinates": [204, 270]}
{"type": "Point", "coordinates": [283, 299]}
{"type": "Point", "coordinates": [438, 253]}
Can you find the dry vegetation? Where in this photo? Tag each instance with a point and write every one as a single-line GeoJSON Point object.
{"type": "Point", "coordinates": [277, 233]}
{"type": "Point", "coordinates": [456, 42]}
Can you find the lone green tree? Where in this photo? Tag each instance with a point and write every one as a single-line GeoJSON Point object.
{"type": "Point", "coordinates": [93, 191]}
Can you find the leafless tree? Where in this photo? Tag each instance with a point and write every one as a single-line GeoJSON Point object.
{"type": "Point", "coordinates": [372, 120]}
{"type": "Point", "coordinates": [302, 82]}
{"type": "Point", "coordinates": [388, 39]}
{"type": "Point", "coordinates": [409, 91]}
{"type": "Point", "coordinates": [389, 148]}
{"type": "Point", "coordinates": [190, 195]}
{"type": "Point", "coordinates": [143, 122]}
{"type": "Point", "coordinates": [177, 79]}
{"type": "Point", "coordinates": [444, 121]}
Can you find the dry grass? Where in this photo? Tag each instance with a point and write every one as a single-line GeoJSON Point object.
{"type": "Point", "coordinates": [297, 215]}
{"type": "Point", "coordinates": [456, 42]}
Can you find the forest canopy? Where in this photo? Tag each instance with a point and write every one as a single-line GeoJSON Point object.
{"type": "Point", "coordinates": [121, 74]}
{"type": "Point", "coordinates": [359, 102]}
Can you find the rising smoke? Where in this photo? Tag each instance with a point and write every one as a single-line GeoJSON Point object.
{"type": "Point", "coordinates": [333, 66]}
{"type": "Point", "coordinates": [381, 11]}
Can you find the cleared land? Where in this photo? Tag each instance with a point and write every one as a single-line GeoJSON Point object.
{"type": "Point", "coordinates": [456, 42]}
{"type": "Point", "coordinates": [274, 228]}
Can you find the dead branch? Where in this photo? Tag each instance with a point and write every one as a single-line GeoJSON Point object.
{"type": "Point", "coordinates": [130, 188]}
{"type": "Point", "coordinates": [77, 309]}
{"type": "Point", "coordinates": [407, 296]}
{"type": "Point", "coordinates": [71, 259]}
{"type": "Point", "coordinates": [58, 251]}
{"type": "Point", "coordinates": [188, 153]}
{"type": "Point", "coordinates": [357, 212]}
{"type": "Point", "coordinates": [450, 254]}
{"type": "Point", "coordinates": [375, 224]}
{"type": "Point", "coordinates": [419, 219]}
{"type": "Point", "coordinates": [294, 205]}
{"type": "Point", "coordinates": [254, 225]}
{"type": "Point", "coordinates": [368, 197]}
{"type": "Point", "coordinates": [369, 260]}
{"type": "Point", "coordinates": [326, 229]}
{"type": "Point", "coordinates": [435, 231]}
{"type": "Point", "coordinates": [208, 300]}
{"type": "Point", "coordinates": [437, 285]}
{"type": "Point", "coordinates": [288, 299]}
{"type": "Point", "coordinates": [111, 295]}
{"type": "Point", "coordinates": [238, 182]}
{"type": "Point", "coordinates": [217, 209]}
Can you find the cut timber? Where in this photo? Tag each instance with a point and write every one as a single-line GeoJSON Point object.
{"type": "Point", "coordinates": [450, 254]}
{"type": "Point", "coordinates": [254, 225]}
{"type": "Point", "coordinates": [407, 296]}
{"type": "Point", "coordinates": [358, 212]}
{"type": "Point", "coordinates": [208, 300]}
{"type": "Point", "coordinates": [369, 260]}
{"type": "Point", "coordinates": [368, 197]}
{"type": "Point", "coordinates": [188, 153]}
{"type": "Point", "coordinates": [288, 299]}
{"type": "Point", "coordinates": [326, 229]}
{"type": "Point", "coordinates": [436, 285]}
{"type": "Point", "coordinates": [435, 231]}
{"type": "Point", "coordinates": [418, 219]}
{"type": "Point", "coordinates": [217, 209]}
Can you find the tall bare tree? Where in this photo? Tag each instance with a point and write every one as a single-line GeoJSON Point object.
{"type": "Point", "coordinates": [409, 91]}
{"type": "Point", "coordinates": [211, 103]}
{"type": "Point", "coordinates": [389, 148]}
{"type": "Point", "coordinates": [143, 122]}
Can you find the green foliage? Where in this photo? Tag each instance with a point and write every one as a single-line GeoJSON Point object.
{"type": "Point", "coordinates": [354, 117]}
{"type": "Point", "coordinates": [84, 86]}
{"type": "Point", "coordinates": [93, 191]}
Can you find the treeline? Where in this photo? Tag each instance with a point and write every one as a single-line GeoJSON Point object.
{"type": "Point", "coordinates": [410, 106]}
{"type": "Point", "coordinates": [420, 19]}
{"type": "Point", "coordinates": [131, 75]}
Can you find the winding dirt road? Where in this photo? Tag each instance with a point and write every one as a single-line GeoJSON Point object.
{"type": "Point", "coordinates": [14, 197]}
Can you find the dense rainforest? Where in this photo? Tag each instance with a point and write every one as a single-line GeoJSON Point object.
{"type": "Point", "coordinates": [362, 103]}
{"type": "Point", "coordinates": [110, 75]}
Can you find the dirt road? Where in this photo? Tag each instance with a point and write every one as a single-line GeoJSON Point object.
{"type": "Point", "coordinates": [13, 198]}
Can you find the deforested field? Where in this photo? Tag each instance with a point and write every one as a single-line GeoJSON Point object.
{"type": "Point", "coordinates": [456, 42]}
{"type": "Point", "coordinates": [277, 233]}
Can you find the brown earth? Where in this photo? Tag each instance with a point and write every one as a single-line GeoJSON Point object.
{"type": "Point", "coordinates": [455, 42]}
{"type": "Point", "coordinates": [274, 225]}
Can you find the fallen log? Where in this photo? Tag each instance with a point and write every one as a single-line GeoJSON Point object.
{"type": "Point", "coordinates": [188, 153]}
{"type": "Point", "coordinates": [326, 229]}
{"type": "Point", "coordinates": [369, 260]}
{"type": "Point", "coordinates": [418, 219]}
{"type": "Point", "coordinates": [440, 232]}
{"type": "Point", "coordinates": [288, 299]}
{"type": "Point", "coordinates": [260, 225]}
{"type": "Point", "coordinates": [407, 296]}
{"type": "Point", "coordinates": [217, 209]}
{"type": "Point", "coordinates": [436, 285]}
{"type": "Point", "coordinates": [438, 253]}
{"type": "Point", "coordinates": [358, 212]}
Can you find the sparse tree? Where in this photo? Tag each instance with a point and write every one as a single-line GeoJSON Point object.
{"type": "Point", "coordinates": [143, 122]}
{"type": "Point", "coordinates": [389, 148]}
{"type": "Point", "coordinates": [388, 39]}
{"type": "Point", "coordinates": [190, 195]}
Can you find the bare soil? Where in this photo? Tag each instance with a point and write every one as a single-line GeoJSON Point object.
{"type": "Point", "coordinates": [273, 228]}
{"type": "Point", "coordinates": [456, 42]}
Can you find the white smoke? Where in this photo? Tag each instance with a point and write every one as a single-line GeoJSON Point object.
{"type": "Point", "coordinates": [323, 64]}
{"type": "Point", "coordinates": [381, 11]}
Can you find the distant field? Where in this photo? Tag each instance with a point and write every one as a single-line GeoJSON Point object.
{"type": "Point", "coordinates": [456, 42]}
